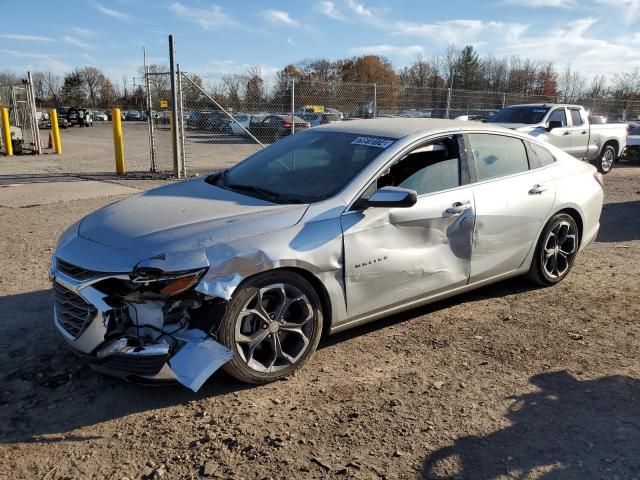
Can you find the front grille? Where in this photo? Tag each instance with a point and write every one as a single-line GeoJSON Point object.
{"type": "Point", "coordinates": [72, 312]}
{"type": "Point", "coordinates": [135, 364]}
{"type": "Point", "coordinates": [76, 272]}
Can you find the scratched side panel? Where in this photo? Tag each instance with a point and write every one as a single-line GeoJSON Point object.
{"type": "Point", "coordinates": [397, 255]}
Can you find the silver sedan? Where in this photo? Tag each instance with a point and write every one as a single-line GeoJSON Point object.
{"type": "Point", "coordinates": [322, 231]}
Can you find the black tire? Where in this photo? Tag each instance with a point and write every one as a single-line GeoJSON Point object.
{"type": "Point", "coordinates": [606, 159]}
{"type": "Point", "coordinates": [246, 292]}
{"type": "Point", "coordinates": [538, 272]}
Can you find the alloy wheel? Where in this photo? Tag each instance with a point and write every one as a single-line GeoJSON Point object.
{"type": "Point", "coordinates": [274, 328]}
{"type": "Point", "coordinates": [607, 159]}
{"type": "Point", "coordinates": [560, 248]}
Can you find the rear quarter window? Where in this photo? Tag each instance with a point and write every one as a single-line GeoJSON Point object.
{"type": "Point", "coordinates": [539, 156]}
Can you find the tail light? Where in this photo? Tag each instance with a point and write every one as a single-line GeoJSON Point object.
{"type": "Point", "coordinates": [286, 125]}
{"type": "Point", "coordinates": [599, 178]}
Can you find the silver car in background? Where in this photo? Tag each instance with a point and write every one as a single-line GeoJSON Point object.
{"type": "Point", "coordinates": [324, 230]}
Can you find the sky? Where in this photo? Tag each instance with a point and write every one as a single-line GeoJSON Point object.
{"type": "Point", "coordinates": [216, 38]}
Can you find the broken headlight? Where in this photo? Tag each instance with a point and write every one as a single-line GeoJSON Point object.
{"type": "Point", "coordinates": [163, 284]}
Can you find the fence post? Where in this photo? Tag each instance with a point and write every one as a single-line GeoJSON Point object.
{"type": "Point", "coordinates": [448, 102]}
{"type": "Point", "coordinates": [375, 100]}
{"type": "Point", "coordinates": [183, 166]}
{"type": "Point", "coordinates": [118, 145]}
{"type": "Point", "coordinates": [293, 104]}
{"type": "Point", "coordinates": [504, 99]}
{"type": "Point", "coordinates": [6, 132]}
{"type": "Point", "coordinates": [152, 143]}
{"type": "Point", "coordinates": [174, 110]}
{"type": "Point", "coordinates": [34, 120]}
{"type": "Point", "coordinates": [55, 131]}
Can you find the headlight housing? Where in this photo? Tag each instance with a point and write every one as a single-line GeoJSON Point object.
{"type": "Point", "coordinates": [166, 284]}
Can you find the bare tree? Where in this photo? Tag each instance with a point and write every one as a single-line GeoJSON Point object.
{"type": "Point", "coordinates": [571, 84]}
{"type": "Point", "coordinates": [627, 85]}
{"type": "Point", "coordinates": [52, 87]}
{"type": "Point", "coordinates": [93, 79]}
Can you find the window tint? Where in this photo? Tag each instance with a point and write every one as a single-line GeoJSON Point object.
{"type": "Point", "coordinates": [539, 156]}
{"type": "Point", "coordinates": [576, 118]}
{"type": "Point", "coordinates": [427, 169]}
{"type": "Point", "coordinates": [497, 156]}
{"type": "Point", "coordinates": [559, 116]}
{"type": "Point", "coordinates": [635, 131]}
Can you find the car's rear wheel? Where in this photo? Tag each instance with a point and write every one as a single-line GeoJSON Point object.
{"type": "Point", "coordinates": [556, 250]}
{"type": "Point", "coordinates": [273, 325]}
{"type": "Point", "coordinates": [606, 159]}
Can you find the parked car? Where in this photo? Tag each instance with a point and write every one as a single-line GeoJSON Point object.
{"type": "Point", "coordinates": [568, 128]}
{"type": "Point", "coordinates": [197, 120]}
{"type": "Point", "coordinates": [217, 121]}
{"type": "Point", "coordinates": [325, 230]}
{"type": "Point", "coordinates": [133, 116]}
{"type": "Point", "coordinates": [79, 116]}
{"type": "Point", "coordinates": [274, 127]}
{"type": "Point", "coordinates": [316, 119]}
{"type": "Point", "coordinates": [241, 119]}
{"type": "Point", "coordinates": [100, 117]}
{"type": "Point", "coordinates": [633, 140]}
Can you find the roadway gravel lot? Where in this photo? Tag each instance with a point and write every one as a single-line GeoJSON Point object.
{"type": "Point", "coordinates": [510, 381]}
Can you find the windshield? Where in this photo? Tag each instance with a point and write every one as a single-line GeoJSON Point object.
{"type": "Point", "coordinates": [304, 168]}
{"type": "Point", "coordinates": [525, 114]}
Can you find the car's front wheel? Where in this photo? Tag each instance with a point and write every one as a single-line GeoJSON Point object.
{"type": "Point", "coordinates": [273, 325]}
{"type": "Point", "coordinates": [556, 250]}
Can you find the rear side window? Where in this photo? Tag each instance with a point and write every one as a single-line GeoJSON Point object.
{"type": "Point", "coordinates": [497, 156]}
{"type": "Point", "coordinates": [539, 156]}
{"type": "Point", "coordinates": [576, 118]}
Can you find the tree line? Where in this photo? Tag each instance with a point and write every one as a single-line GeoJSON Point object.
{"type": "Point", "coordinates": [315, 79]}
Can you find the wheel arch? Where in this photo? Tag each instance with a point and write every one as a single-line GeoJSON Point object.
{"type": "Point", "coordinates": [614, 143]}
{"type": "Point", "coordinates": [577, 217]}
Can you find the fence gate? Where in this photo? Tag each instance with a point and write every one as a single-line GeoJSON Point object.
{"type": "Point", "coordinates": [20, 101]}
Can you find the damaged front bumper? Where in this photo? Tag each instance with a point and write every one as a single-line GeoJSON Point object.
{"type": "Point", "coordinates": [145, 341]}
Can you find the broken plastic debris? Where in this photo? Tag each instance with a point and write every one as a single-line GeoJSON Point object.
{"type": "Point", "coordinates": [121, 346]}
{"type": "Point", "coordinates": [196, 361]}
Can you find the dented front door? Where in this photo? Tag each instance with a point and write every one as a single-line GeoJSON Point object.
{"type": "Point", "coordinates": [393, 256]}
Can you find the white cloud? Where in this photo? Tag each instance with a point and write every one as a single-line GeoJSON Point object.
{"type": "Point", "coordinates": [388, 50]}
{"type": "Point", "coordinates": [280, 17]}
{"type": "Point", "coordinates": [38, 61]}
{"type": "Point", "coordinates": [218, 68]}
{"type": "Point", "coordinates": [329, 9]}
{"type": "Point", "coordinates": [542, 3]}
{"type": "Point", "coordinates": [289, 41]}
{"type": "Point", "coordinates": [123, 17]}
{"type": "Point", "coordinates": [360, 9]}
{"type": "Point", "coordinates": [83, 32]}
{"type": "Point", "coordinates": [208, 19]}
{"type": "Point", "coordinates": [28, 38]}
{"type": "Point", "coordinates": [76, 42]}
{"type": "Point", "coordinates": [575, 43]}
{"type": "Point", "coordinates": [630, 9]}
{"type": "Point", "coordinates": [460, 31]}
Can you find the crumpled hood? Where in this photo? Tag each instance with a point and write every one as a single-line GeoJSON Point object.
{"type": "Point", "coordinates": [185, 216]}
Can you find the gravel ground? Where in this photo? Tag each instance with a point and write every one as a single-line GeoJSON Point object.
{"type": "Point", "coordinates": [510, 381]}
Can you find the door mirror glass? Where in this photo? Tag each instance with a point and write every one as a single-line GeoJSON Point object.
{"type": "Point", "coordinates": [390, 197]}
{"type": "Point", "coordinates": [554, 124]}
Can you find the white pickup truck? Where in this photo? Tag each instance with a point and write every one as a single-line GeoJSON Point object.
{"type": "Point", "coordinates": [568, 128]}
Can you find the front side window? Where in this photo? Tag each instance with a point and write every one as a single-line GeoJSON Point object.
{"type": "Point", "coordinates": [427, 169]}
{"type": "Point", "coordinates": [497, 155]}
{"type": "Point", "coordinates": [304, 168]}
{"type": "Point", "coordinates": [576, 118]}
{"type": "Point", "coordinates": [559, 115]}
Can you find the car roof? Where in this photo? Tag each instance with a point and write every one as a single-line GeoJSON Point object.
{"type": "Point", "coordinates": [549, 105]}
{"type": "Point", "coordinates": [402, 127]}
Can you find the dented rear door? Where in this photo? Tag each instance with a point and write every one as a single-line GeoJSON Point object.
{"type": "Point", "coordinates": [395, 255]}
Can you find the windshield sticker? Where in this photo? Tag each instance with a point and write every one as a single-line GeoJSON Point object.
{"type": "Point", "coordinates": [372, 142]}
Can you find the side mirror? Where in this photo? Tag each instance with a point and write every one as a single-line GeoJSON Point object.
{"type": "Point", "coordinates": [390, 197]}
{"type": "Point", "coordinates": [554, 124]}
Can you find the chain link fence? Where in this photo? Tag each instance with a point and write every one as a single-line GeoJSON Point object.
{"type": "Point", "coordinates": [223, 122]}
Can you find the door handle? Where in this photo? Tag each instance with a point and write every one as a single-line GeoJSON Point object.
{"type": "Point", "coordinates": [567, 133]}
{"type": "Point", "coordinates": [457, 208]}
{"type": "Point", "coordinates": [537, 189]}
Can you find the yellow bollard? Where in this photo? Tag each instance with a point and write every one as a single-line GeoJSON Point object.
{"type": "Point", "coordinates": [55, 131]}
{"type": "Point", "coordinates": [117, 141]}
{"type": "Point", "coordinates": [6, 132]}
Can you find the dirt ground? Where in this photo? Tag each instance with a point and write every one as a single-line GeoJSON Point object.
{"type": "Point", "coordinates": [509, 381]}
